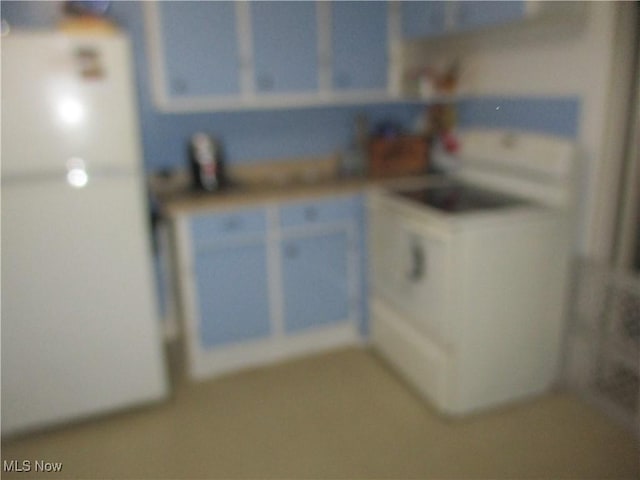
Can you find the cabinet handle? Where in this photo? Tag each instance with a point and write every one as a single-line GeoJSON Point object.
{"type": "Point", "coordinates": [231, 223]}
{"type": "Point", "coordinates": [265, 82]}
{"type": "Point", "coordinates": [290, 251]}
{"type": "Point", "coordinates": [343, 79]}
{"type": "Point", "coordinates": [310, 214]}
{"type": "Point", "coordinates": [179, 85]}
{"type": "Point", "coordinates": [418, 263]}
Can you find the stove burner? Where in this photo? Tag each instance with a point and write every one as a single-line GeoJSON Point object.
{"type": "Point", "coordinates": [460, 198]}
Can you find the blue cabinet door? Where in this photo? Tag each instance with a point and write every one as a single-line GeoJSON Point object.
{"type": "Point", "coordinates": [315, 276]}
{"type": "Point", "coordinates": [359, 45]}
{"type": "Point", "coordinates": [285, 46]}
{"type": "Point", "coordinates": [423, 19]}
{"type": "Point", "coordinates": [200, 46]}
{"type": "Point", "coordinates": [477, 14]}
{"type": "Point", "coordinates": [232, 294]}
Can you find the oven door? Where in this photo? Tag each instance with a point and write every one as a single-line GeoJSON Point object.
{"type": "Point", "coordinates": [410, 263]}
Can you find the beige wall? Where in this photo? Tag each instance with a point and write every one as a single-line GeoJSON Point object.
{"type": "Point", "coordinates": [572, 52]}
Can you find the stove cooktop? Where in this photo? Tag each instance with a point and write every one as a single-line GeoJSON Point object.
{"type": "Point", "coordinates": [460, 198]}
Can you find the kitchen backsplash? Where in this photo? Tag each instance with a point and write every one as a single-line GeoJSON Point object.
{"type": "Point", "coordinates": [553, 115]}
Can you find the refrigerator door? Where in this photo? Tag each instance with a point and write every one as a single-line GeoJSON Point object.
{"type": "Point", "coordinates": [80, 333]}
{"type": "Point", "coordinates": [67, 97]}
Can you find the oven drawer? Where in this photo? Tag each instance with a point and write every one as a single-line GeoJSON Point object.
{"type": "Point", "coordinates": [421, 361]}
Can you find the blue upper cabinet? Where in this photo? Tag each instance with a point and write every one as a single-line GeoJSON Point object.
{"type": "Point", "coordinates": [359, 45]}
{"type": "Point", "coordinates": [285, 46]}
{"type": "Point", "coordinates": [423, 19]}
{"type": "Point", "coordinates": [200, 46]}
{"type": "Point", "coordinates": [207, 56]}
{"type": "Point", "coordinates": [477, 14]}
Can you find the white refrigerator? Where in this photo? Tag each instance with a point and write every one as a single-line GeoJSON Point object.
{"type": "Point", "coordinates": [80, 329]}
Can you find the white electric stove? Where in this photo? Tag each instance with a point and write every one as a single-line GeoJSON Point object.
{"type": "Point", "coordinates": [470, 271]}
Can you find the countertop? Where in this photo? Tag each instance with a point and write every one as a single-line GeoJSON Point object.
{"type": "Point", "coordinates": [188, 201]}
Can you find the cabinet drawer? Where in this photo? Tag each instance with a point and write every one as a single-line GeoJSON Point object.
{"type": "Point", "coordinates": [318, 212]}
{"type": "Point", "coordinates": [220, 225]}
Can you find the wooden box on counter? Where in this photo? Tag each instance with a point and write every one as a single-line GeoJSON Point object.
{"type": "Point", "coordinates": [401, 155]}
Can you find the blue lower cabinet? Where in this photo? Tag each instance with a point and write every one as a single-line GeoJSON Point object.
{"type": "Point", "coordinates": [232, 293]}
{"type": "Point", "coordinates": [315, 271]}
{"type": "Point", "coordinates": [260, 283]}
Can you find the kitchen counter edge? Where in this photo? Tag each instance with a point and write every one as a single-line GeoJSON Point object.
{"type": "Point", "coordinates": [191, 202]}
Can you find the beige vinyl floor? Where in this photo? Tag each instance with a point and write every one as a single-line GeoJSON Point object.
{"type": "Point", "coordinates": [343, 414]}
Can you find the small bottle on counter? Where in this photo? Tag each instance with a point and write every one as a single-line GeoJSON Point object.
{"type": "Point", "coordinates": [205, 159]}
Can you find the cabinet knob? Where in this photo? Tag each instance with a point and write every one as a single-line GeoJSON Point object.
{"type": "Point", "coordinates": [231, 223]}
{"type": "Point", "coordinates": [290, 251]}
{"type": "Point", "coordinates": [310, 214]}
{"type": "Point", "coordinates": [179, 85]}
{"type": "Point", "coordinates": [343, 79]}
{"type": "Point", "coordinates": [265, 82]}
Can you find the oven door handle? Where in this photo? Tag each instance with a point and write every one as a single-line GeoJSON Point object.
{"type": "Point", "coordinates": [418, 263]}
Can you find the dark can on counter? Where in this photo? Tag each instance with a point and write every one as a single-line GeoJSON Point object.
{"type": "Point", "coordinates": [207, 165]}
